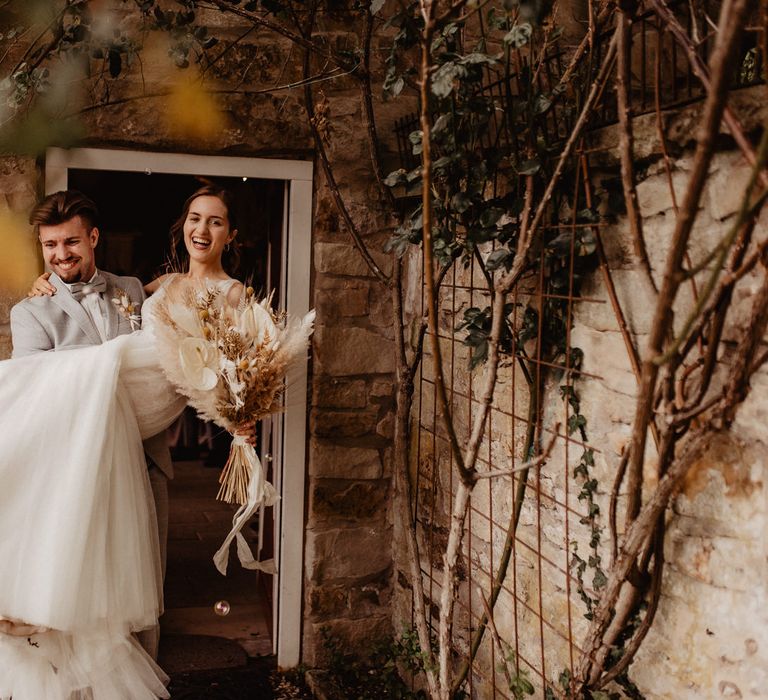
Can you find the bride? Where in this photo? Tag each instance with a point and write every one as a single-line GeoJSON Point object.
{"type": "Point", "coordinates": [79, 547]}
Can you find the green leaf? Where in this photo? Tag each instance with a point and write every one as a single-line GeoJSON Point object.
{"type": "Point", "coordinates": [490, 216]}
{"type": "Point", "coordinates": [441, 123]}
{"type": "Point", "coordinates": [476, 58]}
{"type": "Point", "coordinates": [460, 202]}
{"type": "Point", "coordinates": [395, 178]}
{"type": "Point", "coordinates": [444, 77]}
{"type": "Point", "coordinates": [376, 5]}
{"type": "Point", "coordinates": [479, 354]}
{"type": "Point", "coordinates": [397, 86]}
{"type": "Point", "coordinates": [519, 35]}
{"type": "Point", "coordinates": [599, 580]}
{"type": "Point", "coordinates": [497, 259]}
{"type": "Point", "coordinates": [541, 104]}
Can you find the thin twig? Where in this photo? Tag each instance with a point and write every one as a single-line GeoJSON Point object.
{"type": "Point", "coordinates": [332, 184]}
{"type": "Point", "coordinates": [530, 464]}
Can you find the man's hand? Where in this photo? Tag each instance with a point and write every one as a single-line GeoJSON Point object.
{"type": "Point", "coordinates": [41, 287]}
{"type": "Point", "coordinates": [249, 431]}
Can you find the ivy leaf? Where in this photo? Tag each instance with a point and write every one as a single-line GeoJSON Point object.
{"type": "Point", "coordinates": [587, 244]}
{"type": "Point", "coordinates": [441, 124]}
{"type": "Point", "coordinates": [575, 422]}
{"type": "Point", "coordinates": [541, 104]}
{"type": "Point", "coordinates": [497, 259]}
{"type": "Point", "coordinates": [415, 138]}
{"type": "Point", "coordinates": [460, 202]}
{"type": "Point", "coordinates": [598, 581]}
{"type": "Point", "coordinates": [444, 77]}
{"type": "Point", "coordinates": [519, 35]}
{"type": "Point", "coordinates": [476, 58]}
{"type": "Point", "coordinates": [479, 354]}
{"type": "Point", "coordinates": [490, 216]}
{"type": "Point", "coordinates": [395, 178]}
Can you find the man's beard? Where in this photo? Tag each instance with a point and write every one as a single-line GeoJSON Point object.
{"type": "Point", "coordinates": [71, 276]}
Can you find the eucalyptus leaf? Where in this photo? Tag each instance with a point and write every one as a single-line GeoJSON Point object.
{"type": "Point", "coordinates": [376, 6]}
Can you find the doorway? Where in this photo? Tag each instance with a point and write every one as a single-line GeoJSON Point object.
{"type": "Point", "coordinates": [140, 194]}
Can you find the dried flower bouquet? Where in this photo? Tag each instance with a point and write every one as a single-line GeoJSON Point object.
{"type": "Point", "coordinates": [231, 364]}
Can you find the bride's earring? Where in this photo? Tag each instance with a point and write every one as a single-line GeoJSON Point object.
{"type": "Point", "coordinates": [226, 248]}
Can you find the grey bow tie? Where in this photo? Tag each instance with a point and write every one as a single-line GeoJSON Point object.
{"type": "Point", "coordinates": [98, 285]}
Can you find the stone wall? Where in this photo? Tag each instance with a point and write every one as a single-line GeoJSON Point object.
{"type": "Point", "coordinates": [709, 636]}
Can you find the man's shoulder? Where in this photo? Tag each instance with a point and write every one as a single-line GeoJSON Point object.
{"type": "Point", "coordinates": [124, 282]}
{"type": "Point", "coordinates": [33, 305]}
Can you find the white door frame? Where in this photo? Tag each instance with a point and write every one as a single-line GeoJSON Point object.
{"type": "Point", "coordinates": [289, 512]}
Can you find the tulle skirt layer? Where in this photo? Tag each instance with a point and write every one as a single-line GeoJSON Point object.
{"type": "Point", "coordinates": [78, 536]}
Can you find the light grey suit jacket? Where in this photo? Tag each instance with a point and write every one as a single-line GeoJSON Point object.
{"type": "Point", "coordinates": [41, 324]}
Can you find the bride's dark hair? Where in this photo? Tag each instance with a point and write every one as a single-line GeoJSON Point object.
{"type": "Point", "coordinates": [179, 257]}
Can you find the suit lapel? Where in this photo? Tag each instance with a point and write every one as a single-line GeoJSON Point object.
{"type": "Point", "coordinates": [112, 315]}
{"type": "Point", "coordinates": [70, 306]}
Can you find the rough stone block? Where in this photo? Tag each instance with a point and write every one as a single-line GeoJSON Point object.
{"type": "Point", "coordinates": [337, 304]}
{"type": "Point", "coordinates": [344, 259]}
{"type": "Point", "coordinates": [350, 600]}
{"type": "Point", "coordinates": [354, 635]}
{"type": "Point", "coordinates": [346, 351]}
{"type": "Point", "coordinates": [334, 392]}
{"type": "Point", "coordinates": [727, 185]}
{"type": "Point", "coordinates": [332, 500]}
{"type": "Point", "coordinates": [338, 424]}
{"type": "Point", "coordinates": [380, 389]}
{"type": "Point", "coordinates": [654, 195]}
{"type": "Point", "coordinates": [351, 553]}
{"type": "Point", "coordinates": [336, 461]}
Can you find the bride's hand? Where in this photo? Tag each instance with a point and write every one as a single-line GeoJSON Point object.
{"type": "Point", "coordinates": [248, 429]}
{"type": "Point", "coordinates": [19, 629]}
{"type": "Point", "coordinates": [42, 287]}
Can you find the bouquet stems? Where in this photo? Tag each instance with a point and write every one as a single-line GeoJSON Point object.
{"type": "Point", "coordinates": [236, 474]}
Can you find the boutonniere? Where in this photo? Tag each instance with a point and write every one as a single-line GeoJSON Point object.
{"type": "Point", "coordinates": [126, 308]}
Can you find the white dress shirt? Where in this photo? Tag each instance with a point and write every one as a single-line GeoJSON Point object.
{"type": "Point", "coordinates": [94, 306]}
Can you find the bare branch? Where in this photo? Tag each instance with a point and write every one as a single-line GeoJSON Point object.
{"type": "Point", "coordinates": [525, 466]}
{"type": "Point", "coordinates": [703, 74]}
{"type": "Point", "coordinates": [626, 138]}
{"type": "Point", "coordinates": [511, 277]}
{"type": "Point", "coordinates": [732, 19]}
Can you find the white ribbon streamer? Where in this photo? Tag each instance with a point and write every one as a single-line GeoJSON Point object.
{"type": "Point", "coordinates": [260, 492]}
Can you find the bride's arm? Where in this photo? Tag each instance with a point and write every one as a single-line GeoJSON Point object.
{"type": "Point", "coordinates": [235, 293]}
{"type": "Point", "coordinates": [154, 285]}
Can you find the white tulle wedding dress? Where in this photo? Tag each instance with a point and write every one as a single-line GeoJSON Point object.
{"type": "Point", "coordinates": [79, 555]}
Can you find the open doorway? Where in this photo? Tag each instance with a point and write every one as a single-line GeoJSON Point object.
{"type": "Point", "coordinates": [136, 212]}
{"type": "Point", "coordinates": [140, 194]}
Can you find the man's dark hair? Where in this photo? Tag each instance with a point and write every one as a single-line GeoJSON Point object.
{"type": "Point", "coordinates": [62, 206]}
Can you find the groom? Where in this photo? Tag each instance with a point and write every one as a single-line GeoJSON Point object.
{"type": "Point", "coordinates": [80, 313]}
